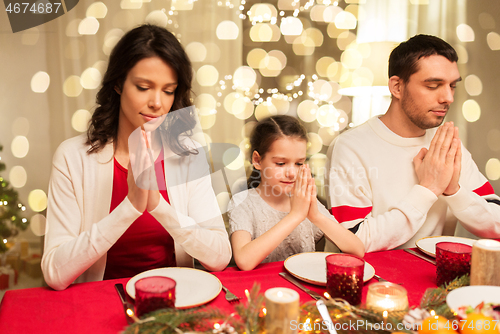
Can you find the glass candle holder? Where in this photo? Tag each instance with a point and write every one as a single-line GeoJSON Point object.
{"type": "Point", "coordinates": [154, 293]}
{"type": "Point", "coordinates": [386, 296]}
{"type": "Point", "coordinates": [452, 261]}
{"type": "Point", "coordinates": [344, 277]}
{"type": "Point", "coordinates": [282, 308]}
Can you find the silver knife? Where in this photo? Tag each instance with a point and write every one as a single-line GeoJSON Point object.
{"type": "Point", "coordinates": [423, 257]}
{"type": "Point", "coordinates": [127, 306]}
{"type": "Point", "coordinates": [323, 311]}
{"type": "Point", "coordinates": [292, 280]}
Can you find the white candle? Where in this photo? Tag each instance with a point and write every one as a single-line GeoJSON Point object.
{"type": "Point", "coordinates": [282, 305]}
{"type": "Point", "coordinates": [385, 296]}
{"type": "Point", "coordinates": [485, 263]}
{"type": "Point", "coordinates": [385, 304]}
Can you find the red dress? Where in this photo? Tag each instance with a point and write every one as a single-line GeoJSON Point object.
{"type": "Point", "coordinates": [145, 244]}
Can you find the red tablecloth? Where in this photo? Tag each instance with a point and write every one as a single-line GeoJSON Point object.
{"type": "Point", "coordinates": [95, 307]}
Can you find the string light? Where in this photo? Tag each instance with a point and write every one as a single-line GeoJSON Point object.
{"type": "Point", "coordinates": [288, 91]}
{"type": "Point", "coordinates": [247, 294]}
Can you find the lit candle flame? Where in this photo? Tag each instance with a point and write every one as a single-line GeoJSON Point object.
{"type": "Point", "coordinates": [386, 304]}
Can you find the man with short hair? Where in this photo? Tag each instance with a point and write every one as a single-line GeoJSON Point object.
{"type": "Point", "coordinates": [401, 176]}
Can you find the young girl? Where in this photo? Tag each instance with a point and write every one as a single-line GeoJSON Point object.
{"type": "Point", "coordinates": [100, 223]}
{"type": "Point", "coordinates": [280, 215]}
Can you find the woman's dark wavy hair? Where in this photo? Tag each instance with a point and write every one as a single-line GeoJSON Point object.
{"type": "Point", "coordinates": [403, 61]}
{"type": "Point", "coordinates": [143, 42]}
{"type": "Point", "coordinates": [266, 132]}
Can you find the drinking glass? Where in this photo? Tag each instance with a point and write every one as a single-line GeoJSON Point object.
{"type": "Point", "coordinates": [344, 277]}
{"type": "Point", "coordinates": [153, 293]}
{"type": "Point", "coordinates": [452, 261]}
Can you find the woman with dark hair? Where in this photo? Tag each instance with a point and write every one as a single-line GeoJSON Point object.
{"type": "Point", "coordinates": [280, 215]}
{"type": "Point", "coordinates": [100, 223]}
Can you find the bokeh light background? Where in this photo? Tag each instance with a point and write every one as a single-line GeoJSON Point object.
{"type": "Point", "coordinates": [320, 60]}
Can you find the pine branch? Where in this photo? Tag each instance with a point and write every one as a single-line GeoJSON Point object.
{"type": "Point", "coordinates": [174, 321]}
{"type": "Point", "coordinates": [249, 319]}
{"type": "Point", "coordinates": [251, 313]}
{"type": "Point", "coordinates": [435, 299]}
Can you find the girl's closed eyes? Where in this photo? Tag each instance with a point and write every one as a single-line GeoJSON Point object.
{"type": "Point", "coordinates": [280, 215]}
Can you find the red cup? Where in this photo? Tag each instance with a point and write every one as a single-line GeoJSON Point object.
{"type": "Point", "coordinates": [154, 293]}
{"type": "Point", "coordinates": [344, 277]}
{"type": "Point", "coordinates": [452, 261]}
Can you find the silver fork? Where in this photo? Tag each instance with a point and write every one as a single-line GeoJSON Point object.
{"type": "Point", "coordinates": [230, 297]}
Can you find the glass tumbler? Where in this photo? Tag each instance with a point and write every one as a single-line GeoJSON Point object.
{"type": "Point", "coordinates": [452, 261]}
{"type": "Point", "coordinates": [153, 293]}
{"type": "Point", "coordinates": [344, 277]}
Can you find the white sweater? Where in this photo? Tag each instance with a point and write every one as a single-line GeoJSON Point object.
{"type": "Point", "coordinates": [373, 187]}
{"type": "Point", "coordinates": [80, 229]}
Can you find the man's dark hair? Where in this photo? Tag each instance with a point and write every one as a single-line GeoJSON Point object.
{"type": "Point", "coordinates": [403, 59]}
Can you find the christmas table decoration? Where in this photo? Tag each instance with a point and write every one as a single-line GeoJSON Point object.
{"type": "Point", "coordinates": [250, 315]}
{"type": "Point", "coordinates": [485, 263]}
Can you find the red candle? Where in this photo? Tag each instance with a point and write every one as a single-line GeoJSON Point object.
{"type": "Point", "coordinates": [452, 261]}
{"type": "Point", "coordinates": [153, 293]}
{"type": "Point", "coordinates": [344, 277]}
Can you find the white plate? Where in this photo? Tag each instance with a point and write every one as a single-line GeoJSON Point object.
{"type": "Point", "coordinates": [472, 296]}
{"type": "Point", "coordinates": [194, 287]}
{"type": "Point", "coordinates": [428, 244]}
{"type": "Point", "coordinates": [311, 267]}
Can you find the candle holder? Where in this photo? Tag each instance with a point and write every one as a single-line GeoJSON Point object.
{"type": "Point", "coordinates": [452, 261]}
{"type": "Point", "coordinates": [387, 296]}
{"type": "Point", "coordinates": [485, 263]}
{"type": "Point", "coordinates": [154, 293]}
{"type": "Point", "coordinates": [344, 277]}
{"type": "Point", "coordinates": [282, 308]}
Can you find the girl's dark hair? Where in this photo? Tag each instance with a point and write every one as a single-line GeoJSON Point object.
{"type": "Point", "coordinates": [403, 59]}
{"type": "Point", "coordinates": [142, 42]}
{"type": "Point", "coordinates": [266, 132]}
